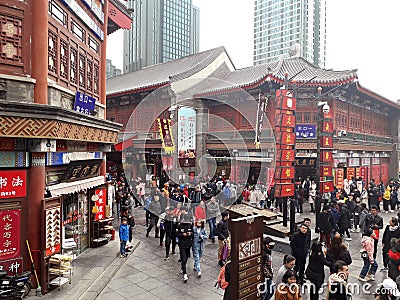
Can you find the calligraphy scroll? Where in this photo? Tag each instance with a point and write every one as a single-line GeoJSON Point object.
{"type": "Point", "coordinates": [166, 135]}
{"type": "Point", "coordinates": [260, 116]}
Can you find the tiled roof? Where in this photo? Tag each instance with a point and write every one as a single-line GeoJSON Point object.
{"type": "Point", "coordinates": [161, 74]}
{"type": "Point", "coordinates": [276, 70]}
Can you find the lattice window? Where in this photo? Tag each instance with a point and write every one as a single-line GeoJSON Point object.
{"type": "Point", "coordinates": [82, 70]}
{"type": "Point", "coordinates": [10, 39]}
{"type": "Point", "coordinates": [73, 61]}
{"type": "Point", "coordinates": [89, 73]}
{"type": "Point", "coordinates": [52, 56]}
{"type": "Point", "coordinates": [64, 55]}
{"type": "Point", "coordinates": [96, 77]}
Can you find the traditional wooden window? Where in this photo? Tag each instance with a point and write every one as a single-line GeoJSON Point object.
{"type": "Point", "coordinates": [64, 58]}
{"type": "Point", "coordinates": [299, 117]}
{"type": "Point", "coordinates": [52, 53]}
{"type": "Point", "coordinates": [307, 117]}
{"type": "Point", "coordinates": [93, 44]}
{"type": "Point", "coordinates": [10, 39]}
{"type": "Point", "coordinates": [89, 73]}
{"type": "Point", "coordinates": [58, 13]}
{"type": "Point", "coordinates": [78, 31]}
{"type": "Point", "coordinates": [96, 77]}
{"type": "Point", "coordinates": [74, 65]}
{"type": "Point", "coordinates": [82, 70]}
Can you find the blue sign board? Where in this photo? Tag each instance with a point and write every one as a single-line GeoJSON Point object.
{"type": "Point", "coordinates": [306, 131]}
{"type": "Point", "coordinates": [83, 103]}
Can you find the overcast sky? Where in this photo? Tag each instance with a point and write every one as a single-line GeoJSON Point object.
{"type": "Point", "coordinates": [361, 34]}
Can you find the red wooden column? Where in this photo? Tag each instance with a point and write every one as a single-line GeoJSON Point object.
{"type": "Point", "coordinates": [39, 58]}
{"type": "Point", "coordinates": [103, 68]}
{"type": "Point", "coordinates": [36, 186]}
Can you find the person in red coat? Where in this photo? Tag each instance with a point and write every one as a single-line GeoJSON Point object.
{"type": "Point", "coordinates": [200, 212]}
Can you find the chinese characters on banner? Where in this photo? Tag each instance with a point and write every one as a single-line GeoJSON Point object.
{"type": "Point", "coordinates": [9, 234]}
{"type": "Point", "coordinates": [167, 139]}
{"type": "Point", "coordinates": [339, 178]}
{"type": "Point", "coordinates": [262, 100]}
{"type": "Point", "coordinates": [12, 266]}
{"type": "Point", "coordinates": [186, 132]}
{"type": "Point", "coordinates": [12, 184]}
{"type": "Point", "coordinates": [326, 154]}
{"type": "Point", "coordinates": [285, 125]}
{"type": "Point", "coordinates": [101, 204]}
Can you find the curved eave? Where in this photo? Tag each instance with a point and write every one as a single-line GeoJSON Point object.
{"type": "Point", "coordinates": [259, 82]}
{"type": "Point", "coordinates": [374, 95]}
{"type": "Point", "coordinates": [139, 90]}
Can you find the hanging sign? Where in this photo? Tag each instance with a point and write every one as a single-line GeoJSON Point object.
{"type": "Point", "coordinates": [284, 101]}
{"type": "Point", "coordinates": [327, 156]}
{"type": "Point", "coordinates": [284, 172]}
{"type": "Point", "coordinates": [305, 131]}
{"type": "Point", "coordinates": [84, 103]}
{"type": "Point", "coordinates": [12, 184]}
{"type": "Point", "coordinates": [101, 204]}
{"type": "Point", "coordinates": [326, 171]}
{"type": "Point", "coordinates": [9, 234]}
{"type": "Point", "coordinates": [326, 186]}
{"type": "Point", "coordinates": [284, 190]}
{"type": "Point", "coordinates": [339, 178]}
{"type": "Point", "coordinates": [186, 132]}
{"type": "Point", "coordinates": [166, 135]}
{"type": "Point", "coordinates": [260, 116]}
{"type": "Point", "coordinates": [327, 127]}
{"type": "Point", "coordinates": [326, 142]}
{"type": "Point", "coordinates": [53, 231]}
{"type": "Point", "coordinates": [12, 266]}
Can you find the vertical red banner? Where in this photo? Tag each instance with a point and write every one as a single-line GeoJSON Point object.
{"type": "Point", "coordinates": [101, 204]}
{"type": "Point", "coordinates": [339, 178]}
{"type": "Point", "coordinates": [350, 173]}
{"type": "Point", "coordinates": [376, 173]}
{"type": "Point", "coordinates": [9, 234]}
{"type": "Point", "coordinates": [385, 173]}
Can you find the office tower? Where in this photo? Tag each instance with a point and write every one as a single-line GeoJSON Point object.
{"type": "Point", "coordinates": [281, 24]}
{"type": "Point", "coordinates": [162, 30]}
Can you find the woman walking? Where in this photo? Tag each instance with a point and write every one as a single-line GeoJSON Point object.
{"type": "Point", "coordinates": [315, 269]}
{"type": "Point", "coordinates": [338, 251]}
{"type": "Point", "coordinates": [367, 253]}
{"type": "Point", "coordinates": [199, 241]}
{"type": "Point", "coordinates": [289, 262]}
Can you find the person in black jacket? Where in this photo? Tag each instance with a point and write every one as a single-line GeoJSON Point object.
{"type": "Point", "coordinates": [222, 232]}
{"type": "Point", "coordinates": [375, 222]}
{"type": "Point", "coordinates": [298, 244]}
{"type": "Point", "coordinates": [325, 225]}
{"type": "Point", "coordinates": [391, 231]}
{"type": "Point", "coordinates": [184, 232]}
{"type": "Point", "coordinates": [315, 269]}
{"type": "Point", "coordinates": [170, 231]}
{"type": "Point", "coordinates": [344, 221]}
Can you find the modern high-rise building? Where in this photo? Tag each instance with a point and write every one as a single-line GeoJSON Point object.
{"type": "Point", "coordinates": [162, 30]}
{"type": "Point", "coordinates": [283, 24]}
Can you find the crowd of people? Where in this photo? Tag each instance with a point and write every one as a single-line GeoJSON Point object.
{"type": "Point", "coordinates": [178, 213]}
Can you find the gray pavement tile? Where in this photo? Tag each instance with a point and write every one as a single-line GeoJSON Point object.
{"type": "Point", "coordinates": [157, 272]}
{"type": "Point", "coordinates": [129, 291]}
{"type": "Point", "coordinates": [146, 296]}
{"type": "Point", "coordinates": [150, 284]}
{"type": "Point", "coordinates": [183, 296]}
{"type": "Point", "coordinates": [137, 276]}
{"type": "Point", "coordinates": [111, 296]}
{"type": "Point", "coordinates": [93, 273]}
{"type": "Point", "coordinates": [124, 271]}
{"type": "Point", "coordinates": [116, 284]}
{"type": "Point", "coordinates": [106, 290]}
{"type": "Point", "coordinates": [164, 291]}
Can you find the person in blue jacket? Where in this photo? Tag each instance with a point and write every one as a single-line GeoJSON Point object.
{"type": "Point", "coordinates": [123, 236]}
{"type": "Point", "coordinates": [199, 240]}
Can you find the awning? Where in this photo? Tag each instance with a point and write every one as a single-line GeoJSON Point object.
{"type": "Point", "coordinates": [75, 186]}
{"type": "Point", "coordinates": [124, 145]}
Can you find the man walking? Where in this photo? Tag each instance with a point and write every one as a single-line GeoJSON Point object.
{"type": "Point", "coordinates": [298, 244]}
{"type": "Point", "coordinates": [212, 211]}
{"type": "Point", "coordinates": [223, 235]}
{"type": "Point", "coordinates": [325, 224]}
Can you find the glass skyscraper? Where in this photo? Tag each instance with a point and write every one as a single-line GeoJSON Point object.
{"type": "Point", "coordinates": [280, 24]}
{"type": "Point", "coordinates": [162, 30]}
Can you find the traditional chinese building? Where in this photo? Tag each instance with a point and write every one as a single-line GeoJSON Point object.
{"type": "Point", "coordinates": [363, 138]}
{"type": "Point", "coordinates": [53, 131]}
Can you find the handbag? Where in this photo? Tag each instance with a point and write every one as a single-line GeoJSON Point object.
{"type": "Point", "coordinates": [364, 254]}
{"type": "Point", "coordinates": [224, 252]}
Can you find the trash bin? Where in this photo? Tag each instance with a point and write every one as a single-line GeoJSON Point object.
{"type": "Point", "coordinates": [113, 234]}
